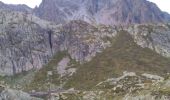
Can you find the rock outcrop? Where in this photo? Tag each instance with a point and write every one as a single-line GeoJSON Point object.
{"type": "Point", "coordinates": [24, 42]}
{"type": "Point", "coordinates": [155, 37]}
{"type": "Point", "coordinates": [9, 94]}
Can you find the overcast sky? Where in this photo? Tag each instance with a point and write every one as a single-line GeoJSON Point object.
{"type": "Point", "coordinates": [163, 4]}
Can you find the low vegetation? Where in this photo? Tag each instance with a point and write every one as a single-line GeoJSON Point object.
{"type": "Point", "coordinates": [123, 55]}
{"type": "Point", "coordinates": [41, 79]}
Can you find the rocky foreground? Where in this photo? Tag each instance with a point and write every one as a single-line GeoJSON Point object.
{"type": "Point", "coordinates": [129, 86]}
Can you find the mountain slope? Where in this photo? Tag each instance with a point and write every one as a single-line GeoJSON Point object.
{"type": "Point", "coordinates": [81, 40]}
{"type": "Point", "coordinates": [111, 12]}
{"type": "Point", "coordinates": [123, 54]}
{"type": "Point", "coordinates": [36, 41]}
{"type": "Point", "coordinates": [101, 77]}
{"type": "Point", "coordinates": [80, 60]}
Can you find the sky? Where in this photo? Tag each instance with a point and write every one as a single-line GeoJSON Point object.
{"type": "Point", "coordinates": [164, 5]}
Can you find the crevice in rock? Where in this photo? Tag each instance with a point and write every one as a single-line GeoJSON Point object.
{"type": "Point", "coordinates": [13, 67]}
{"type": "Point", "coordinates": [50, 40]}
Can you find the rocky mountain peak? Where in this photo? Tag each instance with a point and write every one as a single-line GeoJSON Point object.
{"type": "Point", "coordinates": [109, 12]}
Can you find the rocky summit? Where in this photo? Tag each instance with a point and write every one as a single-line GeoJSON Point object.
{"type": "Point", "coordinates": [109, 12]}
{"type": "Point", "coordinates": [84, 50]}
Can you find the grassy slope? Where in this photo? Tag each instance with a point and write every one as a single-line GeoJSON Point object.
{"type": "Point", "coordinates": [123, 55]}
{"type": "Point", "coordinates": [41, 79]}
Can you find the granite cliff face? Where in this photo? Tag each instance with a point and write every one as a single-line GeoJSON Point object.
{"type": "Point", "coordinates": [24, 42]}
{"type": "Point", "coordinates": [111, 12]}
{"type": "Point", "coordinates": [28, 42]}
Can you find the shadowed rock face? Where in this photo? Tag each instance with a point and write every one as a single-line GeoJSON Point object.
{"type": "Point", "coordinates": [101, 11]}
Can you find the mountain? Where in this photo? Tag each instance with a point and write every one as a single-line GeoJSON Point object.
{"type": "Point", "coordinates": [88, 61]}
{"type": "Point", "coordinates": [110, 12]}
{"type": "Point", "coordinates": [77, 50]}
{"type": "Point", "coordinates": [36, 41]}
{"type": "Point", "coordinates": [20, 8]}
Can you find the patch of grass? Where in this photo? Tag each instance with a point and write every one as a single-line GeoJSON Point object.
{"type": "Point", "coordinates": [20, 79]}
{"type": "Point", "coordinates": [123, 55]}
{"type": "Point", "coordinates": [165, 91]}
